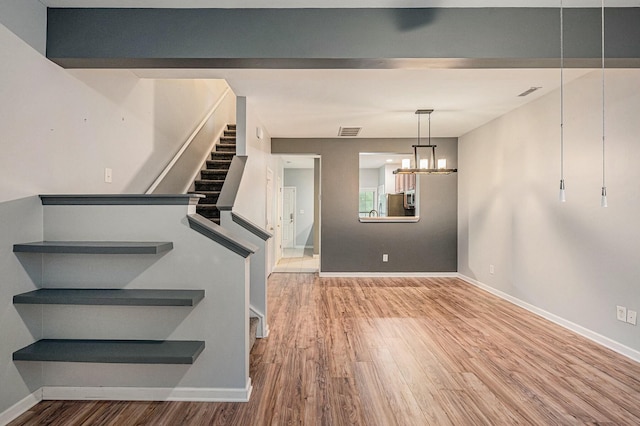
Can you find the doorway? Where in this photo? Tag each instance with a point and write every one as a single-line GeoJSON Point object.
{"type": "Point", "coordinates": [299, 219]}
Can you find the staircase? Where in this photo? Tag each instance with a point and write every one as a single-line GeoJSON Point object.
{"type": "Point", "coordinates": [213, 176]}
{"type": "Point", "coordinates": [210, 184]}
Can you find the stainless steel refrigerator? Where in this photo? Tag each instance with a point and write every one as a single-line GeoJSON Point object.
{"type": "Point", "coordinates": [395, 206]}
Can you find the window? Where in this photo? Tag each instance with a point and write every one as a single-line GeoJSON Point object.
{"type": "Point", "coordinates": [367, 204]}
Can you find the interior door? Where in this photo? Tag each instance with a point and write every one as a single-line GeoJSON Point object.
{"type": "Point", "coordinates": [288, 216]}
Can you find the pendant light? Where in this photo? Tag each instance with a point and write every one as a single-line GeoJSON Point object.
{"type": "Point", "coordinates": [426, 166]}
{"type": "Point", "coordinates": [603, 199]}
{"type": "Point", "coordinates": [563, 197]}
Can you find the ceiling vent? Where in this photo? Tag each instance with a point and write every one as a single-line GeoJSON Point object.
{"type": "Point", "coordinates": [529, 91]}
{"type": "Point", "coordinates": [349, 132]}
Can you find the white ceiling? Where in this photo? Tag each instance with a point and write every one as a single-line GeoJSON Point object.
{"type": "Point", "coordinates": [278, 4]}
{"type": "Point", "coordinates": [315, 103]}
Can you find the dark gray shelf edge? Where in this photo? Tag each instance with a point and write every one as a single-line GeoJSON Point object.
{"type": "Point", "coordinates": [120, 199]}
{"type": "Point", "coordinates": [112, 351]}
{"type": "Point", "coordinates": [110, 297]}
{"type": "Point", "coordinates": [229, 190]}
{"type": "Point", "coordinates": [251, 227]}
{"type": "Point", "coordinates": [94, 247]}
{"type": "Point", "coordinates": [221, 235]}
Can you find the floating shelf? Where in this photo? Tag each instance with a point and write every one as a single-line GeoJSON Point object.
{"type": "Point", "coordinates": [132, 297]}
{"type": "Point", "coordinates": [93, 247]}
{"type": "Point", "coordinates": [112, 351]}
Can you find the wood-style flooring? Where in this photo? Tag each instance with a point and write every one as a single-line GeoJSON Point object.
{"type": "Point", "coordinates": [406, 351]}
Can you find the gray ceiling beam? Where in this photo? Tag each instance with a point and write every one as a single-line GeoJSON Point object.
{"type": "Point", "coordinates": [339, 38]}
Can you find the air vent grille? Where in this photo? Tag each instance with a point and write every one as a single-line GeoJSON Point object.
{"type": "Point", "coordinates": [349, 132]}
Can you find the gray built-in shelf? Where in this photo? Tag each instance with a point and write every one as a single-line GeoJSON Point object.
{"type": "Point", "coordinates": [126, 297]}
{"type": "Point", "coordinates": [94, 247]}
{"type": "Point", "coordinates": [112, 351]}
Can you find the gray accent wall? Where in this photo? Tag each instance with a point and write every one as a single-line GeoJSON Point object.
{"type": "Point", "coordinates": [330, 38]}
{"type": "Point", "coordinates": [574, 260]}
{"type": "Point", "coordinates": [347, 245]}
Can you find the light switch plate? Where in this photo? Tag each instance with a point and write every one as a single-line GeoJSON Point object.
{"type": "Point", "coordinates": [621, 313]}
{"type": "Point", "coordinates": [108, 175]}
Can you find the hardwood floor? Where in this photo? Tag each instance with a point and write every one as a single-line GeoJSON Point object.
{"type": "Point", "coordinates": [385, 351]}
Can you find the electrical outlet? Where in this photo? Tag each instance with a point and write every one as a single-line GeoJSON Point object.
{"type": "Point", "coordinates": [108, 175]}
{"type": "Point", "coordinates": [492, 270]}
{"type": "Point", "coordinates": [631, 317]}
{"type": "Point", "coordinates": [621, 313]}
{"type": "Point", "coordinates": [385, 257]}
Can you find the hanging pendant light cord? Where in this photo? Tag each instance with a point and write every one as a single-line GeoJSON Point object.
{"type": "Point", "coordinates": [604, 186]}
{"type": "Point", "coordinates": [561, 96]}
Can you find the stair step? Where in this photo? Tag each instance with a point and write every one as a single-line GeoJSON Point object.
{"type": "Point", "coordinates": [226, 147]}
{"type": "Point", "coordinates": [228, 139]}
{"type": "Point", "coordinates": [222, 155]}
{"type": "Point", "coordinates": [218, 164]}
{"type": "Point", "coordinates": [93, 247]}
{"type": "Point", "coordinates": [214, 174]}
{"type": "Point", "coordinates": [231, 126]}
{"type": "Point", "coordinates": [230, 133]}
{"type": "Point", "coordinates": [253, 331]}
{"type": "Point", "coordinates": [112, 351]}
{"type": "Point", "coordinates": [208, 185]}
{"type": "Point", "coordinates": [121, 297]}
{"type": "Point", "coordinates": [209, 211]}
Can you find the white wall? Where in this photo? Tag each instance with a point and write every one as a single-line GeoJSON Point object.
{"type": "Point", "coordinates": [575, 260]}
{"type": "Point", "coordinates": [251, 200]}
{"type": "Point", "coordinates": [60, 128]}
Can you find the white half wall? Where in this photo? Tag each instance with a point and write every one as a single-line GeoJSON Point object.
{"type": "Point", "coordinates": [575, 260]}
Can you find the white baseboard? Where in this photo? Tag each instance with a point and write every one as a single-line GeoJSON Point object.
{"type": "Point", "coordinates": [265, 332]}
{"type": "Point", "coordinates": [389, 274]}
{"type": "Point", "coordinates": [585, 332]}
{"type": "Point", "coordinates": [148, 394]}
{"type": "Point", "coordinates": [20, 407]}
